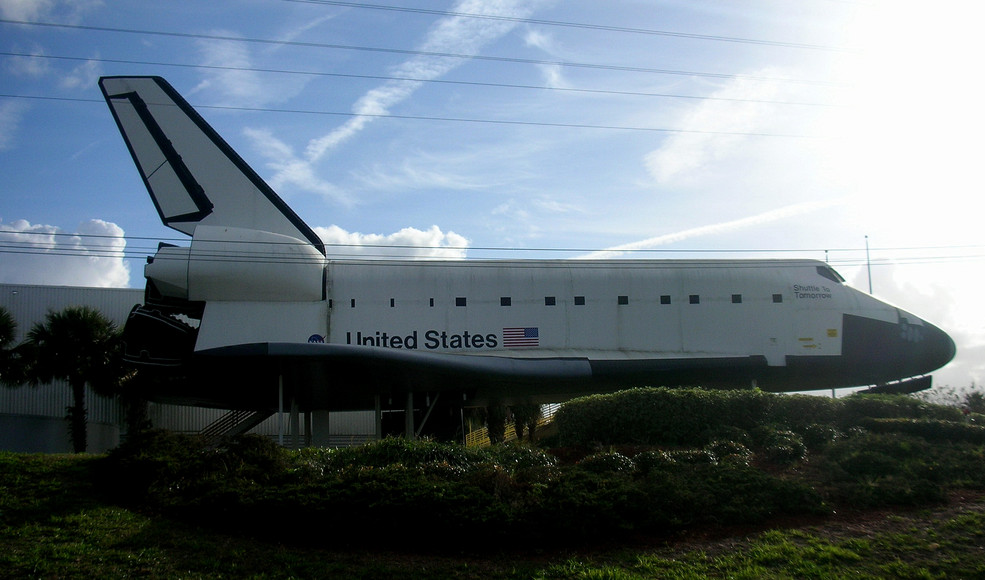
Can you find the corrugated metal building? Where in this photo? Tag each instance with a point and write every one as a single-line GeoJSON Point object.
{"type": "Point", "coordinates": [32, 419]}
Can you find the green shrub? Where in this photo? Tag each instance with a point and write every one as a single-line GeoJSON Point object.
{"type": "Point", "coordinates": [930, 429]}
{"type": "Point", "coordinates": [798, 411]}
{"type": "Point", "coordinates": [858, 408]}
{"type": "Point", "coordinates": [180, 471]}
{"type": "Point", "coordinates": [867, 463]}
{"type": "Point", "coordinates": [817, 435]}
{"type": "Point", "coordinates": [744, 494]}
{"type": "Point", "coordinates": [649, 461]}
{"type": "Point", "coordinates": [421, 454]}
{"type": "Point", "coordinates": [782, 446]}
{"type": "Point", "coordinates": [659, 416]}
{"type": "Point", "coordinates": [881, 469]}
{"type": "Point", "coordinates": [250, 457]}
{"type": "Point", "coordinates": [518, 457]}
{"type": "Point", "coordinates": [692, 456]}
{"type": "Point", "coordinates": [683, 494]}
{"type": "Point", "coordinates": [392, 450]}
{"type": "Point", "coordinates": [513, 492]}
{"type": "Point", "coordinates": [154, 462]}
{"type": "Point", "coordinates": [694, 417]}
{"type": "Point", "coordinates": [729, 451]}
{"type": "Point", "coordinates": [607, 463]}
{"type": "Point", "coordinates": [584, 504]}
{"type": "Point", "coordinates": [729, 433]}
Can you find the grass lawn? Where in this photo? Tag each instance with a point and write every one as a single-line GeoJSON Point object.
{"type": "Point", "coordinates": [56, 523]}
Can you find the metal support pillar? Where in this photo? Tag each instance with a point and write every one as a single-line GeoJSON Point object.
{"type": "Point", "coordinates": [409, 416]}
{"type": "Point", "coordinates": [295, 424]}
{"type": "Point", "coordinates": [307, 429]}
{"type": "Point", "coordinates": [379, 417]}
{"type": "Point", "coordinates": [321, 434]}
{"type": "Point", "coordinates": [280, 409]}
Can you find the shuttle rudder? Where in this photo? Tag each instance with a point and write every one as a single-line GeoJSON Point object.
{"type": "Point", "coordinates": [193, 176]}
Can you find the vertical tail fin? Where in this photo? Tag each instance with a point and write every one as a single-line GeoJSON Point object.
{"type": "Point", "coordinates": [193, 176]}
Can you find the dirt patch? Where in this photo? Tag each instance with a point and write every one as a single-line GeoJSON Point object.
{"type": "Point", "coordinates": [840, 525]}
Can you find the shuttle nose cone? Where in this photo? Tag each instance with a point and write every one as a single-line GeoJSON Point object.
{"type": "Point", "coordinates": [880, 352]}
{"type": "Point", "coordinates": [939, 348]}
{"type": "Point", "coordinates": [927, 347]}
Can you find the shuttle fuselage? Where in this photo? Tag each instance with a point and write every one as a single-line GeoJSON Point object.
{"type": "Point", "coordinates": [253, 307]}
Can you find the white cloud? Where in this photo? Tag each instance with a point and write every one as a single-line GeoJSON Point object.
{"type": "Point", "coordinates": [65, 11]}
{"type": "Point", "coordinates": [928, 291]}
{"type": "Point", "coordinates": [556, 207]}
{"type": "Point", "coordinates": [520, 219]}
{"type": "Point", "coordinates": [539, 39]}
{"type": "Point", "coordinates": [10, 119]}
{"type": "Point", "coordinates": [553, 76]}
{"type": "Point", "coordinates": [70, 11]}
{"type": "Point", "coordinates": [528, 209]}
{"type": "Point", "coordinates": [289, 169]}
{"type": "Point", "coordinates": [231, 83]}
{"type": "Point", "coordinates": [715, 128]}
{"type": "Point", "coordinates": [553, 73]}
{"type": "Point", "coordinates": [28, 66]}
{"type": "Point", "coordinates": [412, 174]}
{"type": "Point", "coordinates": [408, 243]}
{"type": "Point", "coordinates": [25, 9]}
{"type": "Point", "coordinates": [461, 168]}
{"type": "Point", "coordinates": [85, 76]}
{"type": "Point", "coordinates": [44, 254]}
{"type": "Point", "coordinates": [513, 210]}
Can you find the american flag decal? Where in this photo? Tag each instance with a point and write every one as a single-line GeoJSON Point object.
{"type": "Point", "coordinates": [523, 336]}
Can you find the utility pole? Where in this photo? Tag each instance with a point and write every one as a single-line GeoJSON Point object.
{"type": "Point", "coordinates": [868, 262]}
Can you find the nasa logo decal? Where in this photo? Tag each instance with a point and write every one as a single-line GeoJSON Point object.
{"type": "Point", "coordinates": [316, 338]}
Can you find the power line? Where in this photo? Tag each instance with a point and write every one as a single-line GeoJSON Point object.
{"type": "Point", "coordinates": [155, 239]}
{"type": "Point", "coordinates": [96, 242]}
{"type": "Point", "coordinates": [504, 59]}
{"type": "Point", "coordinates": [455, 119]}
{"type": "Point", "coordinates": [582, 25]}
{"type": "Point", "coordinates": [412, 79]}
{"type": "Point", "coordinates": [418, 260]}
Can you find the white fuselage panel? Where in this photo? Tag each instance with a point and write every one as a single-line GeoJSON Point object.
{"type": "Point", "coordinates": [612, 309]}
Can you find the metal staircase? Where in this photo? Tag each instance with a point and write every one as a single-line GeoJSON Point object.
{"type": "Point", "coordinates": [233, 423]}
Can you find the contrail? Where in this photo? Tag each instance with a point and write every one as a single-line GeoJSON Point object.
{"type": "Point", "coordinates": [763, 218]}
{"type": "Point", "coordinates": [452, 34]}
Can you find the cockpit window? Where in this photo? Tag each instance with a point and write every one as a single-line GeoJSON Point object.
{"type": "Point", "coordinates": [830, 274]}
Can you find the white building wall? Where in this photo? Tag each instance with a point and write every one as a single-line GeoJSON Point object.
{"type": "Point", "coordinates": [32, 419]}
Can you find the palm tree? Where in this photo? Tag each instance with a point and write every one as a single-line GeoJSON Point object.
{"type": "Point", "coordinates": [78, 345]}
{"type": "Point", "coordinates": [8, 358]}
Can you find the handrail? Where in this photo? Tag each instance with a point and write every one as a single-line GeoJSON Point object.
{"type": "Point", "coordinates": [480, 437]}
{"type": "Point", "coordinates": [231, 422]}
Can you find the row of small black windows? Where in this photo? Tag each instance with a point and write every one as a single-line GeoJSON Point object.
{"type": "Point", "coordinates": [579, 300]}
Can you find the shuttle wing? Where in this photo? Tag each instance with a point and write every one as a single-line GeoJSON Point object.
{"type": "Point", "coordinates": [193, 176]}
{"type": "Point", "coordinates": [459, 365]}
{"type": "Point", "coordinates": [343, 376]}
{"type": "Point", "coordinates": [338, 376]}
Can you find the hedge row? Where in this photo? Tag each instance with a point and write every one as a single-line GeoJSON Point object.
{"type": "Point", "coordinates": [929, 429]}
{"type": "Point", "coordinates": [685, 457]}
{"type": "Point", "coordinates": [663, 416]}
{"type": "Point", "coordinates": [400, 493]}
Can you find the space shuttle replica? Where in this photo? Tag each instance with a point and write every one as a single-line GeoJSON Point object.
{"type": "Point", "coordinates": [252, 310]}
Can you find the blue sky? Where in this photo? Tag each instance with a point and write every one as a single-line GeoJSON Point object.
{"type": "Point", "coordinates": [695, 128]}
